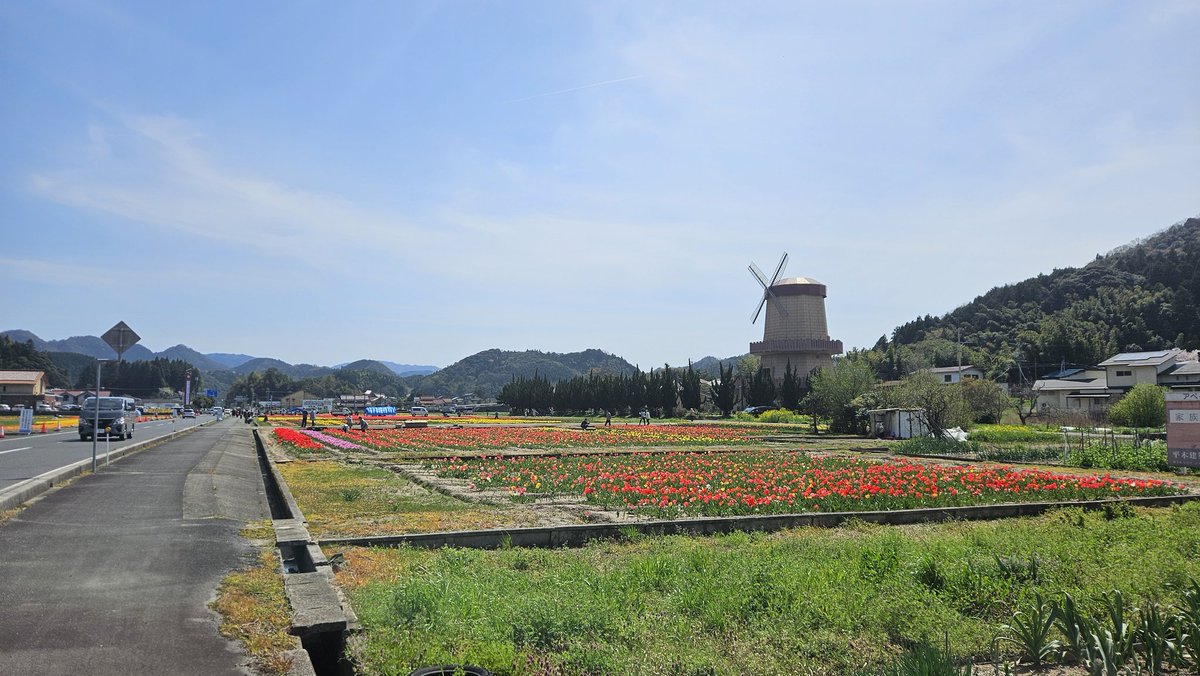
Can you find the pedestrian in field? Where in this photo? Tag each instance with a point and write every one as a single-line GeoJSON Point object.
{"type": "Point", "coordinates": [304, 418]}
{"type": "Point", "coordinates": [362, 423]}
{"type": "Point", "coordinates": [645, 413]}
{"type": "Point", "coordinates": [608, 418]}
{"type": "Point", "coordinates": [349, 422]}
{"type": "Point", "coordinates": [584, 425]}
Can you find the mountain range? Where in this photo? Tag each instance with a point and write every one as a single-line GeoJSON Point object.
{"type": "Point", "coordinates": [95, 347]}
{"type": "Point", "coordinates": [1142, 296]}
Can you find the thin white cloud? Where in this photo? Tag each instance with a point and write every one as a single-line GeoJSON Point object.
{"type": "Point", "coordinates": [161, 176]}
{"type": "Point", "coordinates": [574, 89]}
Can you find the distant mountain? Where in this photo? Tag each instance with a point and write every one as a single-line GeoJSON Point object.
{"type": "Point", "coordinates": [410, 369]}
{"type": "Point", "coordinates": [92, 346]}
{"type": "Point", "coordinates": [229, 360]}
{"type": "Point", "coordinates": [398, 369]}
{"type": "Point", "coordinates": [1142, 296]}
{"type": "Point", "coordinates": [368, 365]}
{"type": "Point", "coordinates": [200, 361]}
{"type": "Point", "coordinates": [486, 372]}
{"type": "Point", "coordinates": [709, 367]}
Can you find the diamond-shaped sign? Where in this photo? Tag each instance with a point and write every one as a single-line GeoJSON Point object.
{"type": "Point", "coordinates": [120, 338]}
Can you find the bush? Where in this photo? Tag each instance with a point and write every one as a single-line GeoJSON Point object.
{"type": "Point", "coordinates": [1143, 406]}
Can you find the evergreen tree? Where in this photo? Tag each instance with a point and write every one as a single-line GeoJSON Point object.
{"type": "Point", "coordinates": [789, 389]}
{"type": "Point", "coordinates": [690, 396]}
{"type": "Point", "coordinates": [724, 391]}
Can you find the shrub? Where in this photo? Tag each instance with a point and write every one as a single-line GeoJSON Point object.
{"type": "Point", "coordinates": [1143, 406]}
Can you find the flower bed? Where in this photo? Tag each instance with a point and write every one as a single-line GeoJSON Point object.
{"type": "Point", "coordinates": [296, 440]}
{"type": "Point", "coordinates": [770, 482]}
{"type": "Point", "coordinates": [459, 440]}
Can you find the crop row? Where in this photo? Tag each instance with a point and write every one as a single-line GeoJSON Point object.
{"type": "Point", "coordinates": [484, 439]}
{"type": "Point", "coordinates": [766, 482]}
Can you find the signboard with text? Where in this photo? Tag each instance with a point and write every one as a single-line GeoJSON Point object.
{"type": "Point", "coordinates": [1183, 429]}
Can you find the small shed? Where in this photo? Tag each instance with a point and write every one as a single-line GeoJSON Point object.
{"type": "Point", "coordinates": [898, 423]}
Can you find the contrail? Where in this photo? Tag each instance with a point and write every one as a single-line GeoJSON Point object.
{"type": "Point", "coordinates": [575, 89]}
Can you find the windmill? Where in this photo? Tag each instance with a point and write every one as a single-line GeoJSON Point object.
{"type": "Point", "coordinates": [795, 331]}
{"type": "Point", "coordinates": [768, 293]}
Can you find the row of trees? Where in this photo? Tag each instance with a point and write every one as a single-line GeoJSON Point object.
{"type": "Point", "coordinates": [664, 391]}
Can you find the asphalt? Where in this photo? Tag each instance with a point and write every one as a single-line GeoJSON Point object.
{"type": "Point", "coordinates": [113, 573]}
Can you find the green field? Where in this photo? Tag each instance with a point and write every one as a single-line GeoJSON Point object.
{"type": "Point", "coordinates": [848, 600]}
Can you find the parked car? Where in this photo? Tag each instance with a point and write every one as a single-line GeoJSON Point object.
{"type": "Point", "coordinates": [189, 413]}
{"type": "Point", "coordinates": [418, 410]}
{"type": "Point", "coordinates": [758, 410]}
{"type": "Point", "coordinates": [5, 407]}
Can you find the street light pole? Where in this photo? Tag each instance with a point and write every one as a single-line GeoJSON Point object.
{"type": "Point", "coordinates": [96, 419]}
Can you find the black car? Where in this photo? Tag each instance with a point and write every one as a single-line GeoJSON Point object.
{"type": "Point", "coordinates": [758, 410]}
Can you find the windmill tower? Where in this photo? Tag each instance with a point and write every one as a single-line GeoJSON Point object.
{"type": "Point", "coordinates": [794, 329]}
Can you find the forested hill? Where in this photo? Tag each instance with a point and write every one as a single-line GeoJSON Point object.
{"type": "Point", "coordinates": [1142, 296]}
{"type": "Point", "coordinates": [488, 371]}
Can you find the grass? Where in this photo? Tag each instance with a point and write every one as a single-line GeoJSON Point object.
{"type": "Point", "coordinates": [254, 612]}
{"type": "Point", "coordinates": [805, 601]}
{"type": "Point", "coordinates": [352, 500]}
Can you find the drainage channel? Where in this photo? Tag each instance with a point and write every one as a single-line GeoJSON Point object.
{"type": "Point", "coordinates": [320, 618]}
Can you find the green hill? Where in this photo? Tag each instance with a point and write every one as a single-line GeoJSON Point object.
{"type": "Point", "coordinates": [1142, 296]}
{"type": "Point", "coordinates": [486, 372]}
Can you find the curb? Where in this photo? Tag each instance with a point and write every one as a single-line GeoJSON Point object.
{"type": "Point", "coordinates": [19, 494]}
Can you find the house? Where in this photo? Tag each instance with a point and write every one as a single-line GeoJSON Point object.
{"type": "Point", "coordinates": [297, 398]}
{"type": "Point", "coordinates": [898, 423]}
{"type": "Point", "coordinates": [1082, 391]}
{"type": "Point", "coordinates": [948, 375]}
{"type": "Point", "coordinates": [1127, 369]}
{"type": "Point", "coordinates": [1182, 376]}
{"type": "Point", "coordinates": [22, 387]}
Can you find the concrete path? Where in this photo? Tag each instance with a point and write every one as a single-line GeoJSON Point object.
{"type": "Point", "coordinates": [113, 573]}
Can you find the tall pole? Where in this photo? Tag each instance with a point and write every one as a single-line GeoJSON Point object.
{"type": "Point", "coordinates": [96, 419]}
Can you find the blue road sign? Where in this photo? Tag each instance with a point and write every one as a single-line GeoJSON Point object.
{"type": "Point", "coordinates": [210, 393]}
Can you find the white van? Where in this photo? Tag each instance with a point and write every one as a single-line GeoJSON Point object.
{"type": "Point", "coordinates": [418, 410]}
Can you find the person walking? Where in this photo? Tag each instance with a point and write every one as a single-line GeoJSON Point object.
{"type": "Point", "coordinates": [607, 418]}
{"type": "Point", "coordinates": [304, 418]}
{"type": "Point", "coordinates": [362, 423]}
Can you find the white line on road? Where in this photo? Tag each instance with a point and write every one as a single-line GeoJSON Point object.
{"type": "Point", "coordinates": [14, 450]}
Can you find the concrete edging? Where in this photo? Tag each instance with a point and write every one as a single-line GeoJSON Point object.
{"type": "Point", "coordinates": [17, 495]}
{"type": "Point", "coordinates": [320, 615]}
{"type": "Point", "coordinates": [580, 535]}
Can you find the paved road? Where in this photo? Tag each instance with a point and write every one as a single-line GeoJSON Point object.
{"type": "Point", "coordinates": [23, 457]}
{"type": "Point", "coordinates": [112, 573]}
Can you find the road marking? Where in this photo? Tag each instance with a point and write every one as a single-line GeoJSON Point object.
{"type": "Point", "coordinates": [23, 448]}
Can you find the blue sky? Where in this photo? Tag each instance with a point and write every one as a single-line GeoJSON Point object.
{"type": "Point", "coordinates": [419, 181]}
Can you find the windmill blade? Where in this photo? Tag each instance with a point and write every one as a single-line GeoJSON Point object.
{"type": "Point", "coordinates": [779, 269]}
{"type": "Point", "coordinates": [778, 304]}
{"type": "Point", "coordinates": [762, 302]}
{"type": "Point", "coordinates": [758, 274]}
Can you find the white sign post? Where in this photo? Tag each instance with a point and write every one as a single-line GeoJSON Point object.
{"type": "Point", "coordinates": [25, 424]}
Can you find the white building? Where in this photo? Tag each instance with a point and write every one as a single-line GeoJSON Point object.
{"type": "Point", "coordinates": [948, 375]}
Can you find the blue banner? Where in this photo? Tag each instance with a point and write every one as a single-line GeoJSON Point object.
{"type": "Point", "coordinates": [381, 410]}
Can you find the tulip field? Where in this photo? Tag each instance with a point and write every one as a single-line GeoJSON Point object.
{"type": "Point", "coordinates": [847, 600]}
{"type": "Point", "coordinates": [459, 440]}
{"type": "Point", "coordinates": [766, 481]}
